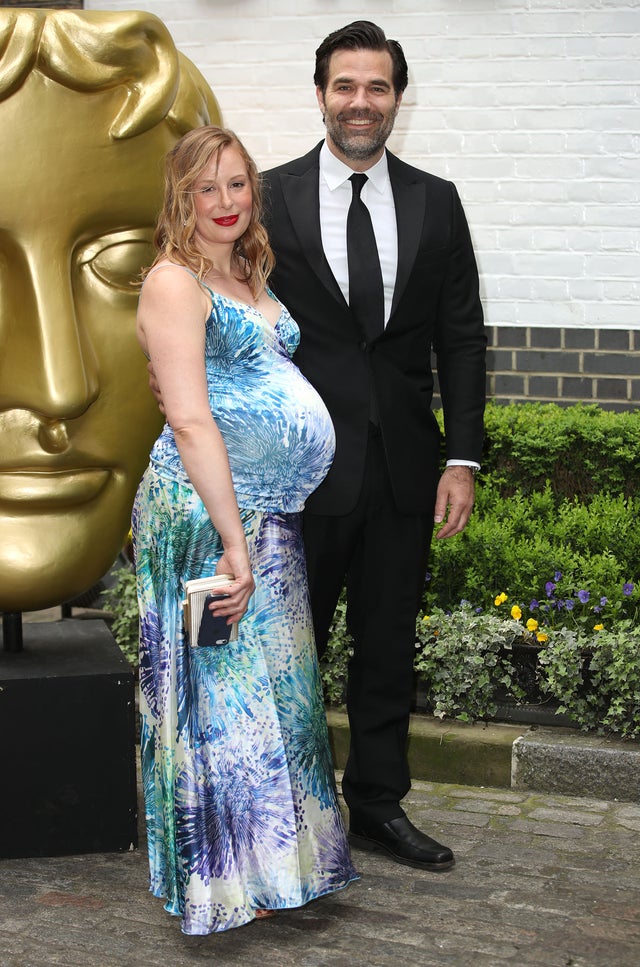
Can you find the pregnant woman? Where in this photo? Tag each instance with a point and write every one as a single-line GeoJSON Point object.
{"type": "Point", "coordinates": [241, 808]}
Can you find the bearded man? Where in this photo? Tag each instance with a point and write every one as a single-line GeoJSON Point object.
{"type": "Point", "coordinates": [378, 271]}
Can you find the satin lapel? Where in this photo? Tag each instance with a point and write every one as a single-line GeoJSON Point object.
{"type": "Point", "coordinates": [300, 193]}
{"type": "Point", "coordinates": [410, 201]}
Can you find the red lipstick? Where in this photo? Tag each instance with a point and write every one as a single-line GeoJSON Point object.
{"type": "Point", "coordinates": [226, 220]}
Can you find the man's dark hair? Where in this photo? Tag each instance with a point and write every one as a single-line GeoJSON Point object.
{"type": "Point", "coordinates": [360, 35]}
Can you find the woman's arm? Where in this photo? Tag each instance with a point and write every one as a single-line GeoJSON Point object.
{"type": "Point", "coordinates": [172, 313]}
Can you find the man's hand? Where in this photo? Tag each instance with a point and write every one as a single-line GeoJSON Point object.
{"type": "Point", "coordinates": [454, 500]}
{"type": "Point", "coordinates": [155, 388]}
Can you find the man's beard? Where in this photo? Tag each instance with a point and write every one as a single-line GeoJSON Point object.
{"type": "Point", "coordinates": [359, 147]}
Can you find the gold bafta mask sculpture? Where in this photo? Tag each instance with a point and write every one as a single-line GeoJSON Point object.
{"type": "Point", "coordinates": [90, 103]}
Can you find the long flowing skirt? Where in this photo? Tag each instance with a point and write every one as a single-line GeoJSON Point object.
{"type": "Point", "coordinates": [239, 787]}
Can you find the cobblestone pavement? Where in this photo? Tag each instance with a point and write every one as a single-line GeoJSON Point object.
{"type": "Point", "coordinates": [541, 880]}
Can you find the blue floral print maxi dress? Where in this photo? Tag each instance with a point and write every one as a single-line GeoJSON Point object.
{"type": "Point", "coordinates": [238, 781]}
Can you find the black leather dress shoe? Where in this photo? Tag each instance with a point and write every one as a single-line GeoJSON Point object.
{"type": "Point", "coordinates": [405, 843]}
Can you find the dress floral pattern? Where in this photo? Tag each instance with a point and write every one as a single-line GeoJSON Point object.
{"type": "Point", "coordinates": [238, 781]}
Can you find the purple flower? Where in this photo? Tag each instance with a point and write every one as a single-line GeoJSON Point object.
{"type": "Point", "coordinates": [478, 610]}
{"type": "Point", "coordinates": [569, 604]}
{"type": "Point", "coordinates": [533, 605]}
{"type": "Point", "coordinates": [549, 588]}
{"type": "Point", "coordinates": [603, 601]}
{"type": "Point", "coordinates": [583, 596]}
{"type": "Point", "coordinates": [427, 577]}
{"type": "Point", "coordinates": [560, 604]}
{"type": "Point", "coordinates": [628, 588]}
{"type": "Point", "coordinates": [557, 576]}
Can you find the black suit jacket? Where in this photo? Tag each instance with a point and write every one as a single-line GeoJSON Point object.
{"type": "Point", "coordinates": [435, 305]}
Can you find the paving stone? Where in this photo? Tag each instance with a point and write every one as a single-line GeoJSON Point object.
{"type": "Point", "coordinates": [557, 814]}
{"type": "Point", "coordinates": [631, 824]}
{"type": "Point", "coordinates": [436, 816]}
{"type": "Point", "coordinates": [492, 795]}
{"type": "Point", "coordinates": [590, 805]}
{"type": "Point", "coordinates": [550, 829]}
{"type": "Point", "coordinates": [628, 812]}
{"type": "Point", "coordinates": [487, 806]}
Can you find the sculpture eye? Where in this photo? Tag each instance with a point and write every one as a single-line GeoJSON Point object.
{"type": "Point", "coordinates": [116, 259]}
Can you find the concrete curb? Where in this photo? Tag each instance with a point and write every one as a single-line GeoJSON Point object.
{"type": "Point", "coordinates": [574, 763]}
{"type": "Point", "coordinates": [509, 756]}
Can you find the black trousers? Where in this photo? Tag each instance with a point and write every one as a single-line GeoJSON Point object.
{"type": "Point", "coordinates": [383, 556]}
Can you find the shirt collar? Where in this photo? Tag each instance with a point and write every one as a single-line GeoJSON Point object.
{"type": "Point", "coordinates": [336, 172]}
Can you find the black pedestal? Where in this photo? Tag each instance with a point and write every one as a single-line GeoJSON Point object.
{"type": "Point", "coordinates": [67, 743]}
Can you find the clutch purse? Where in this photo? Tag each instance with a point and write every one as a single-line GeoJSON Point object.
{"type": "Point", "coordinates": [203, 628]}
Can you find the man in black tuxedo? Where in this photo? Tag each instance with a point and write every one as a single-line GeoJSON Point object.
{"type": "Point", "coordinates": [371, 520]}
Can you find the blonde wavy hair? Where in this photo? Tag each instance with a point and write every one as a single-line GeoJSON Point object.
{"type": "Point", "coordinates": [174, 234]}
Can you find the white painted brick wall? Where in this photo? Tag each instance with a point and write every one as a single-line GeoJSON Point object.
{"type": "Point", "coordinates": [533, 109]}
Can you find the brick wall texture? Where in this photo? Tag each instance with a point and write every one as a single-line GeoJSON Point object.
{"type": "Point", "coordinates": [532, 109]}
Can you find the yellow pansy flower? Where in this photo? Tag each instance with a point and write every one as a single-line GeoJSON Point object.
{"type": "Point", "coordinates": [500, 599]}
{"type": "Point", "coordinates": [598, 627]}
{"type": "Point", "coordinates": [516, 613]}
{"type": "Point", "coordinates": [542, 637]}
{"type": "Point", "coordinates": [532, 624]}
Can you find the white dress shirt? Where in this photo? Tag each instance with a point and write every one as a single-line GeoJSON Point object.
{"type": "Point", "coordinates": [335, 199]}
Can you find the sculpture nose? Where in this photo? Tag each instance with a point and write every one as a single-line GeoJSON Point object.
{"type": "Point", "coordinates": [47, 363]}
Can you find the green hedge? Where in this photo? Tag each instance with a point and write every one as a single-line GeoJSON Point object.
{"type": "Point", "coordinates": [557, 493]}
{"type": "Point", "coordinates": [582, 449]}
{"type": "Point", "coordinates": [516, 545]}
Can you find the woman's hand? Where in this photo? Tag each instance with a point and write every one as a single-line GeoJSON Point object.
{"type": "Point", "coordinates": [235, 561]}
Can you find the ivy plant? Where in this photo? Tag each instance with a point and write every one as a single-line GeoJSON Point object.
{"type": "Point", "coordinates": [596, 677]}
{"type": "Point", "coordinates": [462, 657]}
{"type": "Point", "coordinates": [122, 601]}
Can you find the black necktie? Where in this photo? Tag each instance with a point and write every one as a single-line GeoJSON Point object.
{"type": "Point", "coordinates": [366, 289]}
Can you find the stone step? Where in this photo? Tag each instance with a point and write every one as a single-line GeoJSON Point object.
{"type": "Point", "coordinates": [576, 764]}
{"type": "Point", "coordinates": [550, 759]}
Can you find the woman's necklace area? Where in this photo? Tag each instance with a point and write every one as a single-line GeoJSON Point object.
{"type": "Point", "coordinates": [231, 284]}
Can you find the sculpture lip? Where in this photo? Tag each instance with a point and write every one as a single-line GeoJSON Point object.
{"type": "Point", "coordinates": [39, 488]}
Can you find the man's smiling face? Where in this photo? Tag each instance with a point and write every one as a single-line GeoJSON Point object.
{"type": "Point", "coordinates": [359, 105]}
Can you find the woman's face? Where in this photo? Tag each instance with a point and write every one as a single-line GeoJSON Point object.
{"type": "Point", "coordinates": [223, 199]}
